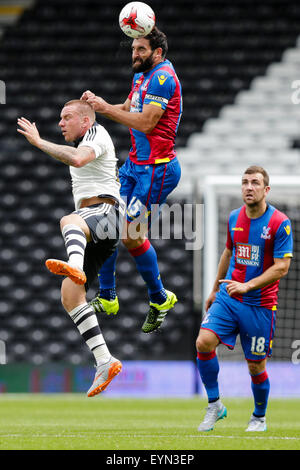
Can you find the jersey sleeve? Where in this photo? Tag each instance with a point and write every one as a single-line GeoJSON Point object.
{"type": "Point", "coordinates": [92, 139]}
{"type": "Point", "coordinates": [283, 242]}
{"type": "Point", "coordinates": [161, 88]}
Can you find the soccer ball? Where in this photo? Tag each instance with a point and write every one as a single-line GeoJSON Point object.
{"type": "Point", "coordinates": [137, 19]}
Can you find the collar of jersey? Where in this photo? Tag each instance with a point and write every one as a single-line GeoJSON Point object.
{"type": "Point", "coordinates": [77, 141]}
{"type": "Point", "coordinates": [158, 66]}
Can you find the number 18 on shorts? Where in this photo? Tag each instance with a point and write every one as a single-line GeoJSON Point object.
{"type": "Point", "coordinates": [227, 317]}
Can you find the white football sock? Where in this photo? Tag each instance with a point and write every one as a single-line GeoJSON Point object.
{"type": "Point", "coordinates": [75, 242]}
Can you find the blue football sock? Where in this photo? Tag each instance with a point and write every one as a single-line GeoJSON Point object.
{"type": "Point", "coordinates": [208, 366]}
{"type": "Point", "coordinates": [146, 262]}
{"type": "Point", "coordinates": [108, 294]}
{"type": "Point", "coordinates": [107, 278]}
{"type": "Point", "coordinates": [260, 386]}
{"type": "Point", "coordinates": [158, 297]}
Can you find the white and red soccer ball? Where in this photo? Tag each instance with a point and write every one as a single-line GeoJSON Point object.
{"type": "Point", "coordinates": [137, 19]}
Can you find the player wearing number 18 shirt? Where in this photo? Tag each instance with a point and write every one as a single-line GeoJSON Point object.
{"type": "Point", "coordinates": [254, 244]}
{"type": "Point", "coordinates": [244, 297]}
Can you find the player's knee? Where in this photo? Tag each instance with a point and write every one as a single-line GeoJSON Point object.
{"type": "Point", "coordinates": [131, 243]}
{"type": "Point", "coordinates": [205, 343]}
{"type": "Point", "coordinates": [65, 220]}
{"type": "Point", "coordinates": [256, 368]}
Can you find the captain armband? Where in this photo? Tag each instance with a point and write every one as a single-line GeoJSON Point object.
{"type": "Point", "coordinates": [157, 99]}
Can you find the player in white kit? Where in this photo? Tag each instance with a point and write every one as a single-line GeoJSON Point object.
{"type": "Point", "coordinates": [91, 233]}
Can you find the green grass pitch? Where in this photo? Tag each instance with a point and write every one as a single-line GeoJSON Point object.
{"type": "Point", "coordinates": [74, 422]}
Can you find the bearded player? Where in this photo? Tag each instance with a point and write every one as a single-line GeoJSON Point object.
{"type": "Point", "coordinates": [152, 112]}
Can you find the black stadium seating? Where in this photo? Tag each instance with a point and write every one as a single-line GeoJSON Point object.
{"type": "Point", "coordinates": [54, 52]}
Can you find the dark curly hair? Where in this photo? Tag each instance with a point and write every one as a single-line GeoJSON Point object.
{"type": "Point", "coordinates": [158, 39]}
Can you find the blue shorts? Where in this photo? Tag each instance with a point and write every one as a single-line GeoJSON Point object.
{"type": "Point", "coordinates": [228, 317]}
{"type": "Point", "coordinates": [146, 187]}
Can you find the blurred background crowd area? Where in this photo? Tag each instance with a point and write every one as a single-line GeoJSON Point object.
{"type": "Point", "coordinates": [236, 60]}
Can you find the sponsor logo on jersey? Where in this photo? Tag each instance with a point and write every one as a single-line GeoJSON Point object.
{"type": "Point", "coordinates": [162, 79]}
{"type": "Point", "coordinates": [238, 229]}
{"type": "Point", "coordinates": [287, 229]}
{"type": "Point", "coordinates": [135, 103]}
{"type": "Point", "coordinates": [248, 255]}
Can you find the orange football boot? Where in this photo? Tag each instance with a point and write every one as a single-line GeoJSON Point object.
{"type": "Point", "coordinates": [62, 268]}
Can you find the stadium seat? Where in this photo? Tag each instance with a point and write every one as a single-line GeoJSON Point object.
{"type": "Point", "coordinates": [231, 116]}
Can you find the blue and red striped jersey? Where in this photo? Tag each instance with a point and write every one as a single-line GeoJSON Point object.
{"type": "Point", "coordinates": [254, 244]}
{"type": "Point", "coordinates": [160, 87]}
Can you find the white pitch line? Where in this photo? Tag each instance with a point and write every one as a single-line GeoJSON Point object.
{"type": "Point", "coordinates": [252, 437]}
{"type": "Point", "coordinates": [130, 436]}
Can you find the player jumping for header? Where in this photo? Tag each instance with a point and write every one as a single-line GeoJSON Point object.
{"type": "Point", "coordinates": [91, 233]}
{"type": "Point", "coordinates": [152, 112]}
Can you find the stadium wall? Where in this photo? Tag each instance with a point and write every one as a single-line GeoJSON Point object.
{"type": "Point", "coordinates": [148, 379]}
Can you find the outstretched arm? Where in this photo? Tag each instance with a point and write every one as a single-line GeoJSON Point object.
{"type": "Point", "coordinates": [71, 156]}
{"type": "Point", "coordinates": [143, 122]}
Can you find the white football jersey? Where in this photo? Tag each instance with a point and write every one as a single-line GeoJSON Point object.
{"type": "Point", "coordinates": [100, 176]}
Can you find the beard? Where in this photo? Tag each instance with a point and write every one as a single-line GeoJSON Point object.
{"type": "Point", "coordinates": [142, 65]}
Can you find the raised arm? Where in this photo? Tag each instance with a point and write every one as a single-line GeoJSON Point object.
{"type": "Point", "coordinates": [71, 156]}
{"type": "Point", "coordinates": [144, 122]}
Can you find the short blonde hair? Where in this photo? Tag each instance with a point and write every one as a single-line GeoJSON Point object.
{"type": "Point", "coordinates": [84, 108]}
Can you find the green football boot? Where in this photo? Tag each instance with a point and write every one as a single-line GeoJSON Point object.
{"type": "Point", "coordinates": [105, 306]}
{"type": "Point", "coordinates": [158, 312]}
